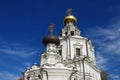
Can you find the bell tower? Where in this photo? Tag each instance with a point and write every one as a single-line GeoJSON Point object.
{"type": "Point", "coordinates": [72, 43]}
{"type": "Point", "coordinates": [70, 28]}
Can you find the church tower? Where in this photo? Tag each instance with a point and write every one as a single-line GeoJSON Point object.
{"type": "Point", "coordinates": [72, 43]}
{"type": "Point", "coordinates": [67, 57]}
{"type": "Point", "coordinates": [77, 51]}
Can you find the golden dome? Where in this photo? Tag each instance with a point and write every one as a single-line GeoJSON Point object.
{"type": "Point", "coordinates": [69, 17]}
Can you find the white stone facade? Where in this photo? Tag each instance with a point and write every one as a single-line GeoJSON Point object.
{"type": "Point", "coordinates": [73, 59]}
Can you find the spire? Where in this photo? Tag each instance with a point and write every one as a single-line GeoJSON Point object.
{"type": "Point", "coordinates": [70, 17]}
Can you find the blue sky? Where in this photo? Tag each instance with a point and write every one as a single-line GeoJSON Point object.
{"type": "Point", "coordinates": [24, 23]}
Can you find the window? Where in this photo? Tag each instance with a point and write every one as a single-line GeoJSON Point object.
{"type": "Point", "coordinates": [77, 51]}
{"type": "Point", "coordinates": [65, 33]}
{"type": "Point", "coordinates": [74, 78]}
{"type": "Point", "coordinates": [72, 33]}
{"type": "Point", "coordinates": [60, 52]}
{"type": "Point", "coordinates": [28, 77]}
{"type": "Point", "coordinates": [60, 34]}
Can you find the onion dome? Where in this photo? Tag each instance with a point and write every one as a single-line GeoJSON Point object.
{"type": "Point", "coordinates": [51, 38]}
{"type": "Point", "coordinates": [69, 17]}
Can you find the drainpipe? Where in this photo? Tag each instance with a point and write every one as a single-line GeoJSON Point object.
{"type": "Point", "coordinates": [83, 67]}
{"type": "Point", "coordinates": [69, 47]}
{"type": "Point", "coordinates": [87, 47]}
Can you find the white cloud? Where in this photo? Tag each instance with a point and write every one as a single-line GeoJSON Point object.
{"type": "Point", "coordinates": [16, 53]}
{"type": "Point", "coordinates": [8, 76]}
{"type": "Point", "coordinates": [16, 49]}
{"type": "Point", "coordinates": [108, 38]}
{"type": "Point", "coordinates": [101, 61]}
{"type": "Point", "coordinates": [27, 64]}
{"type": "Point", "coordinates": [115, 76]}
{"type": "Point", "coordinates": [107, 43]}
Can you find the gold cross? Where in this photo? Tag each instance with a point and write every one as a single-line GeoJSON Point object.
{"type": "Point", "coordinates": [51, 27]}
{"type": "Point", "coordinates": [69, 11]}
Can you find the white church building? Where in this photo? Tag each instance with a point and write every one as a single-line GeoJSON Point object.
{"type": "Point", "coordinates": [66, 57]}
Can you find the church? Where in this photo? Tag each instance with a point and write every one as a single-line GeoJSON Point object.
{"type": "Point", "coordinates": [68, 56]}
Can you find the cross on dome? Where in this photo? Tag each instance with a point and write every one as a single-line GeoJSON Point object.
{"type": "Point", "coordinates": [51, 27]}
{"type": "Point", "coordinates": [69, 11]}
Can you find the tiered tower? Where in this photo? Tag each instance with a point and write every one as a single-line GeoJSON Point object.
{"type": "Point", "coordinates": [67, 57]}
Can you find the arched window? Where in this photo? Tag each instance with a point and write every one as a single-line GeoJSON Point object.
{"type": "Point", "coordinates": [39, 77]}
{"type": "Point", "coordinates": [72, 33]}
{"type": "Point", "coordinates": [66, 33]}
{"type": "Point", "coordinates": [60, 52]}
{"type": "Point", "coordinates": [75, 79]}
{"type": "Point", "coordinates": [28, 77]}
